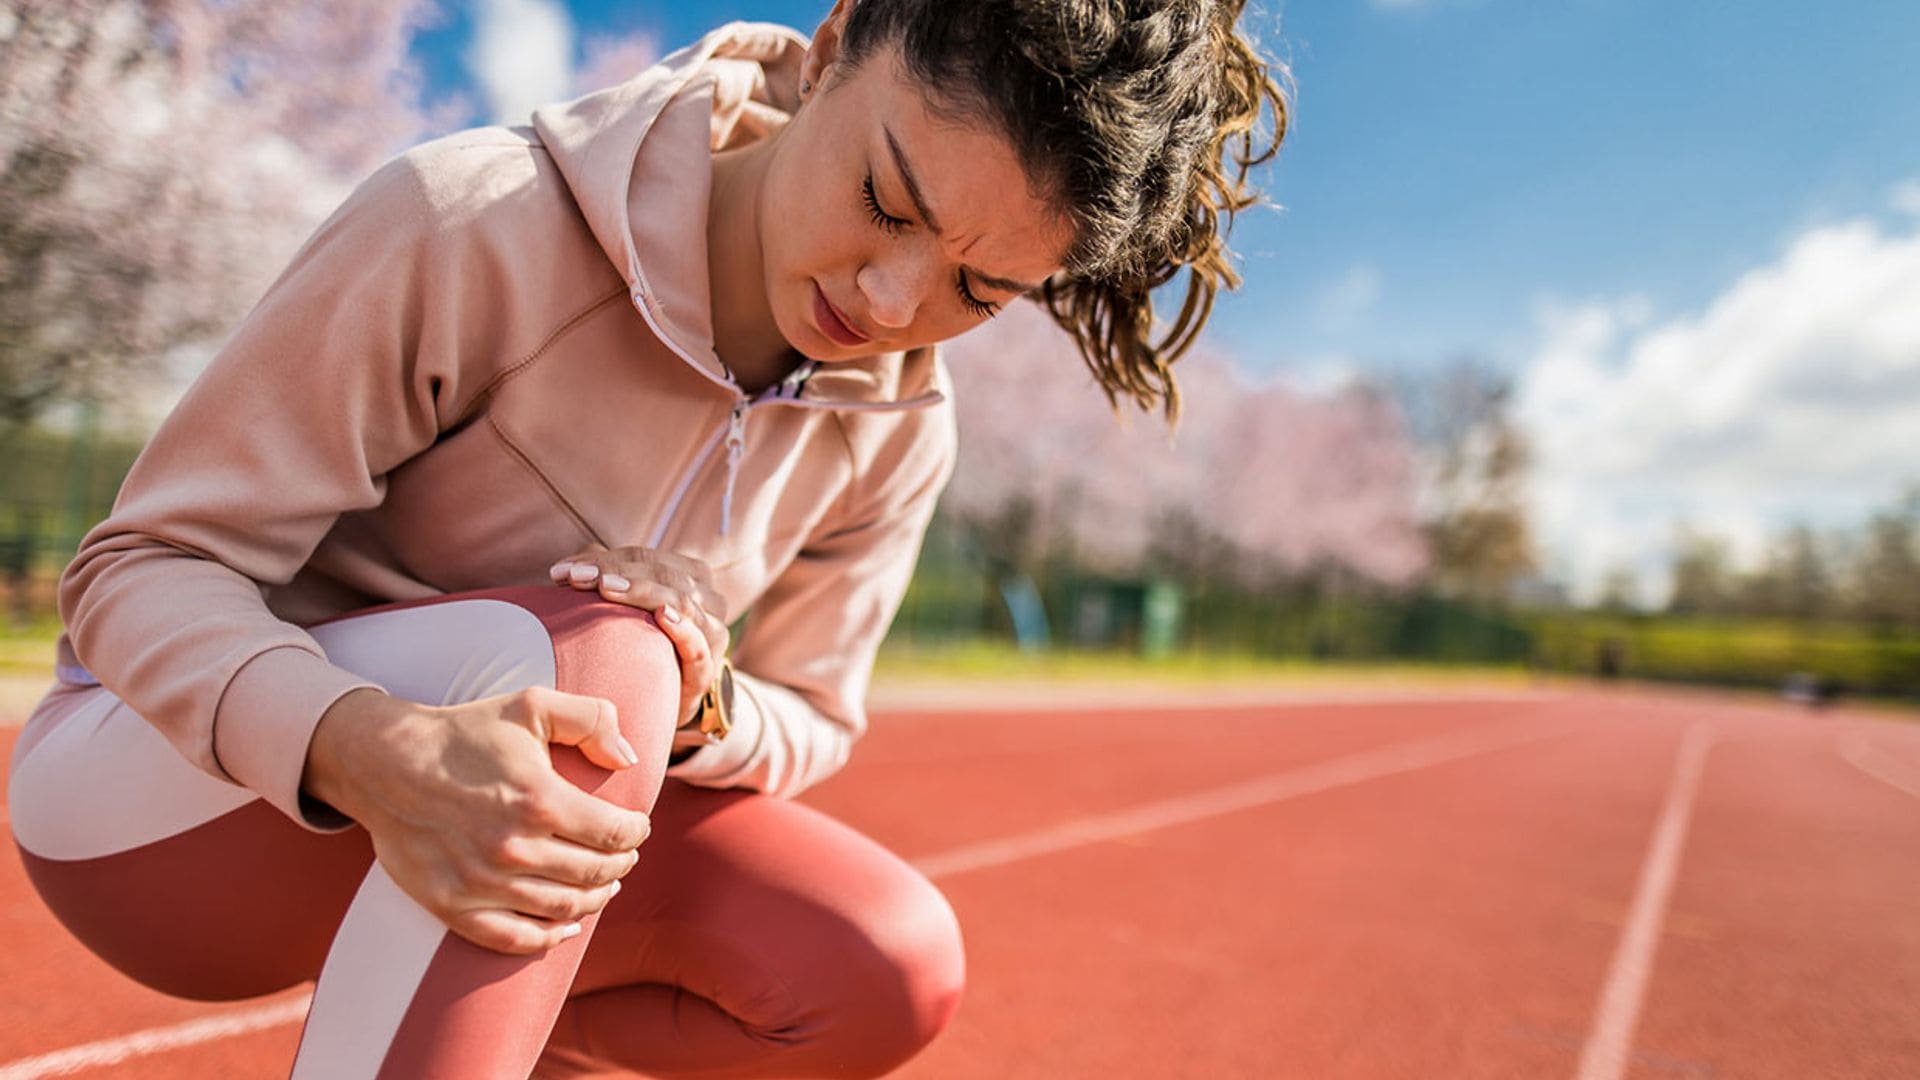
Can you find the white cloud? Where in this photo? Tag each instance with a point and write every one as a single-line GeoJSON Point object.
{"type": "Point", "coordinates": [521, 55]}
{"type": "Point", "coordinates": [1905, 196]}
{"type": "Point", "coordinates": [1795, 395]}
{"type": "Point", "coordinates": [1324, 376]}
{"type": "Point", "coordinates": [1348, 299]}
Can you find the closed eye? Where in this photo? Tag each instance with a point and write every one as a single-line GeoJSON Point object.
{"type": "Point", "coordinates": [892, 225]}
{"type": "Point", "coordinates": [981, 309]}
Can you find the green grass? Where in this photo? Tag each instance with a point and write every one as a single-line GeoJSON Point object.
{"type": "Point", "coordinates": [1002, 661]}
{"type": "Point", "coordinates": [1752, 652]}
{"type": "Point", "coordinates": [28, 651]}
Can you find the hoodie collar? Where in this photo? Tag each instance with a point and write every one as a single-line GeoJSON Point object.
{"type": "Point", "coordinates": [638, 158]}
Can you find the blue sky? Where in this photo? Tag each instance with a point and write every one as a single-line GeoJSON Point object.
{"type": "Point", "coordinates": [1454, 162]}
{"type": "Point", "coordinates": [1690, 230]}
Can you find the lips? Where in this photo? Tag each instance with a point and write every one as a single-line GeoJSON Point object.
{"type": "Point", "coordinates": [835, 327]}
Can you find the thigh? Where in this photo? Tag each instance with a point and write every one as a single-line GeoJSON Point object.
{"type": "Point", "coordinates": [806, 937]}
{"type": "Point", "coordinates": [193, 885]}
{"type": "Point", "coordinates": [240, 906]}
{"type": "Point", "coordinates": [184, 882]}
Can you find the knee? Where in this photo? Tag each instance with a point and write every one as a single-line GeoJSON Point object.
{"type": "Point", "coordinates": [610, 650]}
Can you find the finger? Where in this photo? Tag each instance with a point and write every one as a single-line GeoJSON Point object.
{"type": "Point", "coordinates": [594, 822]}
{"type": "Point", "coordinates": [716, 632]}
{"type": "Point", "coordinates": [698, 668]}
{"type": "Point", "coordinates": [510, 932]}
{"type": "Point", "coordinates": [689, 640]}
{"type": "Point", "coordinates": [544, 899]}
{"type": "Point", "coordinates": [576, 864]}
{"type": "Point", "coordinates": [589, 723]}
{"type": "Point", "coordinates": [641, 593]}
{"type": "Point", "coordinates": [591, 553]}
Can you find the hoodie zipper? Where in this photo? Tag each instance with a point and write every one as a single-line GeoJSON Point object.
{"type": "Point", "coordinates": [736, 442]}
{"type": "Point", "coordinates": [733, 431]}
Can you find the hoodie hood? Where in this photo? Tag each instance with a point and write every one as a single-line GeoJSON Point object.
{"type": "Point", "coordinates": [638, 159]}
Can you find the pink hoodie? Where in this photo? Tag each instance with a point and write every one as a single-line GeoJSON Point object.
{"type": "Point", "coordinates": [498, 350]}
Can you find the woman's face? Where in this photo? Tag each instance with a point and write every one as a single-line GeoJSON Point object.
{"type": "Point", "coordinates": [884, 226]}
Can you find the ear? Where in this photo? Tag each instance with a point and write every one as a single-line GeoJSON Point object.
{"type": "Point", "coordinates": [825, 50]}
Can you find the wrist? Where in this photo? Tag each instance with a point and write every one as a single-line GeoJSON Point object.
{"type": "Point", "coordinates": [713, 714]}
{"type": "Point", "coordinates": [329, 773]}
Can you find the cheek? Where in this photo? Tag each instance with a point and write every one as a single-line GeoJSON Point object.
{"type": "Point", "coordinates": [805, 232]}
{"type": "Point", "coordinates": [940, 322]}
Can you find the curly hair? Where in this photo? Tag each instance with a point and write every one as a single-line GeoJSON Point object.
{"type": "Point", "coordinates": [1139, 118]}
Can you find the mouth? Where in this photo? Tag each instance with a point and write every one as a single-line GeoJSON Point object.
{"type": "Point", "coordinates": [834, 325]}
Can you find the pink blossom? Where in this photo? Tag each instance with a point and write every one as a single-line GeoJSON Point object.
{"type": "Point", "coordinates": [1296, 482]}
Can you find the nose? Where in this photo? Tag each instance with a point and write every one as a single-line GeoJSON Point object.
{"type": "Point", "coordinates": [894, 288]}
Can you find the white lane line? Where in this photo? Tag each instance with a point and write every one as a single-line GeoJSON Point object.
{"type": "Point", "coordinates": [1862, 755]}
{"type": "Point", "coordinates": [1305, 780]}
{"type": "Point", "coordinates": [96, 1055]}
{"type": "Point", "coordinates": [1610, 1041]}
{"type": "Point", "coordinates": [1289, 784]}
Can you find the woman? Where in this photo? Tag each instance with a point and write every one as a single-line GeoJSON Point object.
{"type": "Point", "coordinates": [490, 468]}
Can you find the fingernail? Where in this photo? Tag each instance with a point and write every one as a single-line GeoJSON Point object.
{"type": "Point", "coordinates": [559, 570]}
{"type": "Point", "coordinates": [669, 614]}
{"type": "Point", "coordinates": [572, 929]}
{"type": "Point", "coordinates": [627, 752]}
{"type": "Point", "coordinates": [585, 572]}
{"type": "Point", "coordinates": [615, 891]}
{"type": "Point", "coordinates": [615, 583]}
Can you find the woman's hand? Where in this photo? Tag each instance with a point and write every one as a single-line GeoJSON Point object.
{"type": "Point", "coordinates": [677, 589]}
{"type": "Point", "coordinates": [468, 816]}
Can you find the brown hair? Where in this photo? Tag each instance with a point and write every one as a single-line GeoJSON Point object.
{"type": "Point", "coordinates": [1139, 118]}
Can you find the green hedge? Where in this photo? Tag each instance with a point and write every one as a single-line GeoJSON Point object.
{"type": "Point", "coordinates": [1735, 652]}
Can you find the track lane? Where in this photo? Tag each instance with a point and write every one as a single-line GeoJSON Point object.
{"type": "Point", "coordinates": [1804, 884]}
{"type": "Point", "coordinates": [1451, 921]}
{"type": "Point", "coordinates": [1426, 924]}
{"type": "Point", "coordinates": [1119, 756]}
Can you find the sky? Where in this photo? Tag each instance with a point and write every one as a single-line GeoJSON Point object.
{"type": "Point", "coordinates": [1689, 230]}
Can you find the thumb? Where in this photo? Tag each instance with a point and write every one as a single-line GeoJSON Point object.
{"type": "Point", "coordinates": [589, 723]}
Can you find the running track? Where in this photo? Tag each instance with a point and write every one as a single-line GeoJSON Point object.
{"type": "Point", "coordinates": [1568, 884]}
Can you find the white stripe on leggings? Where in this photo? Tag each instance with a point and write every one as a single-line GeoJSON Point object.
{"type": "Point", "coordinates": [374, 968]}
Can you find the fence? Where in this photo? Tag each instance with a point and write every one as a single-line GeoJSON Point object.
{"type": "Point", "coordinates": [54, 485]}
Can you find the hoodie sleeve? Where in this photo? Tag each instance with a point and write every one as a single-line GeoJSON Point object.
{"type": "Point", "coordinates": [804, 662]}
{"type": "Point", "coordinates": [370, 343]}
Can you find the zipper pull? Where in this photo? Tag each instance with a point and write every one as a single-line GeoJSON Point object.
{"type": "Point", "coordinates": [737, 429]}
{"type": "Point", "coordinates": [736, 444]}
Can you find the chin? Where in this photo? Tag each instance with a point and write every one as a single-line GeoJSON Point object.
{"type": "Point", "coordinates": [823, 352]}
{"type": "Point", "coordinates": [799, 334]}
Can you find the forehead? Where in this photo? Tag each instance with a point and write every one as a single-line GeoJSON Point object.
{"type": "Point", "coordinates": [990, 216]}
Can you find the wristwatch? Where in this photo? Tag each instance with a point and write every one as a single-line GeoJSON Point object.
{"type": "Point", "coordinates": [714, 718]}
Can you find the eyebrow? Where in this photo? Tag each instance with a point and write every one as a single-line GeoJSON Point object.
{"type": "Point", "coordinates": [926, 215]}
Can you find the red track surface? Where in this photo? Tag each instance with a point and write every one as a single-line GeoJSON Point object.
{"type": "Point", "coordinates": [1450, 910]}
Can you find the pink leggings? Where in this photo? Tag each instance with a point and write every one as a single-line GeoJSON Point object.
{"type": "Point", "coordinates": [756, 936]}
